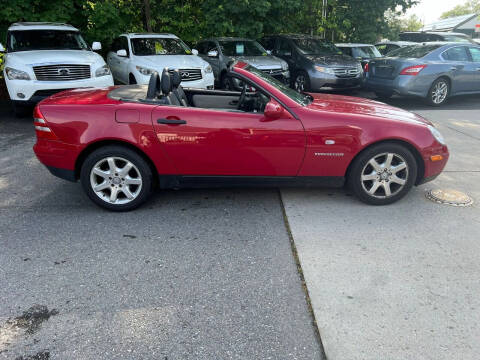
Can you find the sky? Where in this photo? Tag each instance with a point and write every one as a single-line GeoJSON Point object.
{"type": "Point", "coordinates": [430, 10]}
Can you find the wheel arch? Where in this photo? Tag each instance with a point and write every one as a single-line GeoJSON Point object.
{"type": "Point", "coordinates": [415, 152]}
{"type": "Point", "coordinates": [99, 144]}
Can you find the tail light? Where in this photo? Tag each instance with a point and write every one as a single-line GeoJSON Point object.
{"type": "Point", "coordinates": [42, 129]}
{"type": "Point", "coordinates": [413, 70]}
{"type": "Point", "coordinates": [366, 68]}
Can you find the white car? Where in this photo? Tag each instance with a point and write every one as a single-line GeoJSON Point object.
{"type": "Point", "coordinates": [44, 58]}
{"type": "Point", "coordinates": [133, 58]}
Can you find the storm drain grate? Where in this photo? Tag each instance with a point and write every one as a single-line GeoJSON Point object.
{"type": "Point", "coordinates": [449, 197]}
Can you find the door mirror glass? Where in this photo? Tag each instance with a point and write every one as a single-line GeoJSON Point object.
{"type": "Point", "coordinates": [273, 110]}
{"type": "Point", "coordinates": [2, 49]}
{"type": "Point", "coordinates": [194, 51]}
{"type": "Point", "coordinates": [122, 52]}
{"type": "Point", "coordinates": [96, 46]}
{"type": "Point", "coordinates": [213, 53]}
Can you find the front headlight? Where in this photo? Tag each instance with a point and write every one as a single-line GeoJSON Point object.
{"type": "Point", "coordinates": [284, 66]}
{"type": "Point", "coordinates": [324, 69]}
{"type": "Point", "coordinates": [436, 134]}
{"type": "Point", "coordinates": [359, 67]}
{"type": "Point", "coordinates": [14, 74]}
{"type": "Point", "coordinates": [208, 69]}
{"type": "Point", "coordinates": [144, 71]}
{"type": "Point", "coordinates": [102, 71]}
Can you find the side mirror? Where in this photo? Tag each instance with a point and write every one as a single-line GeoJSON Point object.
{"type": "Point", "coordinates": [96, 46]}
{"type": "Point", "coordinates": [269, 52]}
{"type": "Point", "coordinates": [2, 49]}
{"type": "Point", "coordinates": [212, 53]}
{"type": "Point", "coordinates": [122, 53]}
{"type": "Point", "coordinates": [194, 51]}
{"type": "Point", "coordinates": [273, 110]}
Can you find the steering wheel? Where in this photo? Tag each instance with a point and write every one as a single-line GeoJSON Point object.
{"type": "Point", "coordinates": [242, 97]}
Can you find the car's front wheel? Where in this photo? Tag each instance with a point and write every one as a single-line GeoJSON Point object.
{"type": "Point", "coordinates": [383, 174]}
{"type": "Point", "coordinates": [116, 178]}
{"type": "Point", "coordinates": [301, 82]}
{"type": "Point", "coordinates": [439, 92]}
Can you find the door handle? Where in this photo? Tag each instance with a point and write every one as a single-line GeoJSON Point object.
{"type": "Point", "coordinates": [171, 121]}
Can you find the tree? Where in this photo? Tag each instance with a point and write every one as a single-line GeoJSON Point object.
{"type": "Point", "coordinates": [470, 7]}
{"type": "Point", "coordinates": [395, 24]}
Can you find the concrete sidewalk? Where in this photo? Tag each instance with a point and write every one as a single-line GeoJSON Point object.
{"type": "Point", "coordinates": [397, 282]}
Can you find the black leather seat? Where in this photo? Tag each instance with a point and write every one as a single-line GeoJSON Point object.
{"type": "Point", "coordinates": [166, 86]}
{"type": "Point", "coordinates": [177, 88]}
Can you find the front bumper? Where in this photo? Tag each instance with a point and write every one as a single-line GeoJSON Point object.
{"type": "Point", "coordinates": [32, 91]}
{"type": "Point", "coordinates": [322, 81]}
{"type": "Point", "coordinates": [433, 168]}
{"type": "Point", "coordinates": [402, 85]}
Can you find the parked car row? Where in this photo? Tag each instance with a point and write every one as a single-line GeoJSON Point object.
{"type": "Point", "coordinates": [44, 58]}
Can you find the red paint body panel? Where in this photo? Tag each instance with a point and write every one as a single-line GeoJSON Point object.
{"type": "Point", "coordinates": [320, 139]}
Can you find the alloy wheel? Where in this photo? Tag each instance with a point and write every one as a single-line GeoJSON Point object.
{"type": "Point", "coordinates": [300, 83]}
{"type": "Point", "coordinates": [439, 92]}
{"type": "Point", "coordinates": [116, 180]}
{"type": "Point", "coordinates": [384, 175]}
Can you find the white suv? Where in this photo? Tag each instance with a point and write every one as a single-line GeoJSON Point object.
{"type": "Point", "coordinates": [133, 58]}
{"type": "Point", "coordinates": [44, 58]}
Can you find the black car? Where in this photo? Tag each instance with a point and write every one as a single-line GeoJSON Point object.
{"type": "Point", "coordinates": [429, 36]}
{"type": "Point", "coordinates": [387, 46]}
{"type": "Point", "coordinates": [315, 64]}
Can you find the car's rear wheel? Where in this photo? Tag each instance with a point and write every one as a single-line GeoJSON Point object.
{"type": "Point", "coordinates": [439, 92]}
{"type": "Point", "coordinates": [116, 178]}
{"type": "Point", "coordinates": [301, 82]}
{"type": "Point", "coordinates": [383, 174]}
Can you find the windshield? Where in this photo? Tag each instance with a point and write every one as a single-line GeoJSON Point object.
{"type": "Point", "coordinates": [159, 46]}
{"type": "Point", "coordinates": [27, 40]}
{"type": "Point", "coordinates": [242, 48]}
{"type": "Point", "coordinates": [366, 52]}
{"type": "Point", "coordinates": [414, 51]}
{"type": "Point", "coordinates": [302, 99]}
{"type": "Point", "coordinates": [312, 46]}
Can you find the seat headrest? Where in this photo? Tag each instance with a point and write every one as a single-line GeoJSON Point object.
{"type": "Point", "coordinates": [166, 82]}
{"type": "Point", "coordinates": [176, 78]}
{"type": "Point", "coordinates": [153, 86]}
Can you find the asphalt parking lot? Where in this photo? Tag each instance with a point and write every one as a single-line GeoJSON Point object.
{"type": "Point", "coordinates": [192, 275]}
{"type": "Point", "coordinates": [210, 274]}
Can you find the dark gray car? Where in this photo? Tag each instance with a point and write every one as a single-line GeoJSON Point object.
{"type": "Point", "coordinates": [315, 64]}
{"type": "Point", "coordinates": [433, 71]}
{"type": "Point", "coordinates": [221, 52]}
{"type": "Point", "coordinates": [385, 47]}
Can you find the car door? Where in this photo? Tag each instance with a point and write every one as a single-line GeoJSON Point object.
{"type": "Point", "coordinates": [229, 143]}
{"type": "Point", "coordinates": [460, 68]}
{"type": "Point", "coordinates": [475, 56]}
{"type": "Point", "coordinates": [123, 61]}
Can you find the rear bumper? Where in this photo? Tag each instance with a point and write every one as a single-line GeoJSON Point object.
{"type": "Point", "coordinates": [402, 85]}
{"type": "Point", "coordinates": [58, 157]}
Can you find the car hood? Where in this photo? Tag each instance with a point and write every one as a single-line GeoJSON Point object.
{"type": "Point", "coordinates": [260, 62]}
{"type": "Point", "coordinates": [332, 60]}
{"type": "Point", "coordinates": [159, 62]}
{"type": "Point", "coordinates": [54, 57]}
{"type": "Point", "coordinates": [360, 106]}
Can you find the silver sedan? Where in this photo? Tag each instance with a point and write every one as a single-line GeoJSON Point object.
{"type": "Point", "coordinates": [434, 71]}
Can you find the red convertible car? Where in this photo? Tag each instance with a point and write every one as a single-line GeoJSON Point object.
{"type": "Point", "coordinates": [122, 142]}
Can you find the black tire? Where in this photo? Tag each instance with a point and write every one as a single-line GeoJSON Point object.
{"type": "Point", "coordinates": [383, 95]}
{"type": "Point", "coordinates": [131, 79]}
{"type": "Point", "coordinates": [306, 81]}
{"type": "Point", "coordinates": [430, 99]}
{"type": "Point", "coordinates": [361, 166]}
{"type": "Point", "coordinates": [117, 151]}
{"type": "Point", "coordinates": [226, 83]}
{"type": "Point", "coordinates": [21, 111]}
